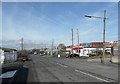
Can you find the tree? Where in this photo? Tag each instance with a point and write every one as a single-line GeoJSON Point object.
{"type": "Point", "coordinates": [61, 47]}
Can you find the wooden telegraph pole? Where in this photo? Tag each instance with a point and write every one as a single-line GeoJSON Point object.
{"type": "Point", "coordinates": [104, 30]}
{"type": "Point", "coordinates": [72, 41]}
{"type": "Point", "coordinates": [21, 43]}
{"type": "Point", "coordinates": [78, 35]}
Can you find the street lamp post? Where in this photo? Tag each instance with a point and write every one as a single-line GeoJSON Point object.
{"type": "Point", "coordinates": [104, 29]}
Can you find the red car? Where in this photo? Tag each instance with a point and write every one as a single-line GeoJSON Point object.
{"type": "Point", "coordinates": [24, 58]}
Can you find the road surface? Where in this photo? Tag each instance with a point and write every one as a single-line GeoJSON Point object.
{"type": "Point", "coordinates": [53, 69]}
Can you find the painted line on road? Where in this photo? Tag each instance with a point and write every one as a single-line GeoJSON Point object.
{"type": "Point", "coordinates": [92, 76]}
{"type": "Point", "coordinates": [89, 60]}
{"type": "Point", "coordinates": [62, 65]}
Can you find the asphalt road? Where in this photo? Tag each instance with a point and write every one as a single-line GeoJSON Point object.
{"type": "Point", "coordinates": [53, 69]}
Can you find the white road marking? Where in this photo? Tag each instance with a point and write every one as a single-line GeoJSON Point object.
{"type": "Point", "coordinates": [89, 60]}
{"type": "Point", "coordinates": [92, 76]}
{"type": "Point", "coordinates": [62, 65]}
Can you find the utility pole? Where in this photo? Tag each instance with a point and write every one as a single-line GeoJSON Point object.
{"type": "Point", "coordinates": [78, 40]}
{"type": "Point", "coordinates": [78, 36]}
{"type": "Point", "coordinates": [72, 41]}
{"type": "Point", "coordinates": [21, 43]}
{"type": "Point", "coordinates": [104, 30]}
{"type": "Point", "coordinates": [52, 45]}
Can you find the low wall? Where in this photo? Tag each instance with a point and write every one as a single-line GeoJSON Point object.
{"type": "Point", "coordinates": [116, 59]}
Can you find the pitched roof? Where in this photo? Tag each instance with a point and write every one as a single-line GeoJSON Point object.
{"type": "Point", "coordinates": [8, 49]}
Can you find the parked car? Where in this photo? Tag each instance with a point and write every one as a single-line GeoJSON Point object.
{"type": "Point", "coordinates": [73, 55]}
{"type": "Point", "coordinates": [23, 58]}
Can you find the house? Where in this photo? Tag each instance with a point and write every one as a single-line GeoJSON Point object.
{"type": "Point", "coordinates": [2, 56]}
{"type": "Point", "coordinates": [8, 55]}
{"type": "Point", "coordinates": [51, 52]}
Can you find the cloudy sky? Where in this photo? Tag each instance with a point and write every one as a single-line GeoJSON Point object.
{"type": "Point", "coordinates": [44, 21]}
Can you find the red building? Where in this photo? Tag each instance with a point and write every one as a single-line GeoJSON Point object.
{"type": "Point", "coordinates": [96, 44]}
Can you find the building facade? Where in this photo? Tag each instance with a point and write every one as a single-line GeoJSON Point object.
{"type": "Point", "coordinates": [86, 49]}
{"type": "Point", "coordinates": [8, 55]}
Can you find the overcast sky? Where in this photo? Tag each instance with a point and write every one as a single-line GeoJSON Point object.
{"type": "Point", "coordinates": [46, 21]}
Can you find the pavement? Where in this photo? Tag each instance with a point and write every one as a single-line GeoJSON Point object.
{"type": "Point", "coordinates": [61, 70]}
{"type": "Point", "coordinates": [52, 69]}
